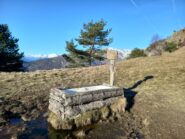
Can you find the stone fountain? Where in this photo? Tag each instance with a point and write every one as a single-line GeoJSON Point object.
{"type": "Point", "coordinates": [79, 107]}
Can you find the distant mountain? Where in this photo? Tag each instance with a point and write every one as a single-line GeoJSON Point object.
{"type": "Point", "coordinates": [53, 61]}
{"type": "Point", "coordinates": [29, 58]}
{"type": "Point", "coordinates": [122, 53]}
{"type": "Point", "coordinates": [46, 64]}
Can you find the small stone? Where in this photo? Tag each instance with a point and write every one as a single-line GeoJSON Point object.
{"type": "Point", "coordinates": [25, 117]}
{"type": "Point", "coordinates": [2, 121]}
{"type": "Point", "coordinates": [104, 112]}
{"type": "Point", "coordinates": [79, 134]}
{"type": "Point", "coordinates": [14, 137]}
{"type": "Point", "coordinates": [58, 124]}
{"type": "Point", "coordinates": [34, 113]}
{"type": "Point", "coordinates": [2, 112]}
{"type": "Point", "coordinates": [18, 110]}
{"type": "Point", "coordinates": [45, 114]}
{"type": "Point", "coordinates": [1, 101]}
{"type": "Point", "coordinates": [146, 122]}
{"type": "Point", "coordinates": [100, 121]}
{"type": "Point", "coordinates": [111, 119]}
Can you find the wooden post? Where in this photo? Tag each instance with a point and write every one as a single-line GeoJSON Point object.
{"type": "Point", "coordinates": [112, 71]}
{"type": "Point", "coordinates": [112, 56]}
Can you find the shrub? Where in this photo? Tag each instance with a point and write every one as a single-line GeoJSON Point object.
{"type": "Point", "coordinates": [171, 46]}
{"type": "Point", "coordinates": [137, 53]}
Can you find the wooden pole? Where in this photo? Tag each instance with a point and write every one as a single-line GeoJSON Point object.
{"type": "Point", "coordinates": [112, 71]}
{"type": "Point", "coordinates": [112, 56]}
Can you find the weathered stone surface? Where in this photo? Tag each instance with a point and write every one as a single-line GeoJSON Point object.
{"type": "Point", "coordinates": [56, 98]}
{"type": "Point", "coordinates": [59, 123]}
{"type": "Point", "coordinates": [87, 118]}
{"type": "Point", "coordinates": [84, 107]}
{"type": "Point", "coordinates": [84, 97]}
{"type": "Point", "coordinates": [95, 105]}
{"type": "Point", "coordinates": [80, 99]}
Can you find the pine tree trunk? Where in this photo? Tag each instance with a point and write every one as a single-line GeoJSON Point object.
{"type": "Point", "coordinates": [90, 57]}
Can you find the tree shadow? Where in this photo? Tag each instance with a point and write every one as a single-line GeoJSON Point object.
{"type": "Point", "coordinates": [130, 94]}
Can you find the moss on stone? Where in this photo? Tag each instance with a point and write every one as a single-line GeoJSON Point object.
{"type": "Point", "coordinates": [105, 112]}
{"type": "Point", "coordinates": [58, 123]}
{"type": "Point", "coordinates": [87, 118]}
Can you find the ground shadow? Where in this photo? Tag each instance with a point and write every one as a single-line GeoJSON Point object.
{"type": "Point", "coordinates": [130, 94]}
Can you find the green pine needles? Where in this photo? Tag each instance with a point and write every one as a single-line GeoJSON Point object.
{"type": "Point", "coordinates": [92, 37]}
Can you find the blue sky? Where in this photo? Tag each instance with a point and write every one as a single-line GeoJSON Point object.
{"type": "Point", "coordinates": [43, 26]}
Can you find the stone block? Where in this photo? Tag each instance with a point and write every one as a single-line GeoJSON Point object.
{"type": "Point", "coordinates": [84, 106]}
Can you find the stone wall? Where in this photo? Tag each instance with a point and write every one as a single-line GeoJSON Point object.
{"type": "Point", "coordinates": [73, 108]}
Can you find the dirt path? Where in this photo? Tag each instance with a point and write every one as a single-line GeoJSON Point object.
{"type": "Point", "coordinates": [162, 110]}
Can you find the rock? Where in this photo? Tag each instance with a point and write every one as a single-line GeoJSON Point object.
{"type": "Point", "coordinates": [1, 99]}
{"type": "Point", "coordinates": [111, 120]}
{"type": "Point", "coordinates": [118, 106]}
{"type": "Point", "coordinates": [80, 107]}
{"type": "Point", "coordinates": [30, 105]}
{"type": "Point", "coordinates": [2, 121]}
{"type": "Point", "coordinates": [18, 110]}
{"type": "Point", "coordinates": [35, 113]}
{"type": "Point", "coordinates": [79, 134]}
{"type": "Point", "coordinates": [25, 117]}
{"type": "Point", "coordinates": [146, 122]}
{"type": "Point", "coordinates": [118, 117]}
{"type": "Point", "coordinates": [2, 112]}
{"type": "Point", "coordinates": [14, 136]}
{"type": "Point", "coordinates": [69, 97]}
{"type": "Point", "coordinates": [58, 123]}
{"type": "Point", "coordinates": [104, 112]}
{"type": "Point", "coordinates": [45, 114]}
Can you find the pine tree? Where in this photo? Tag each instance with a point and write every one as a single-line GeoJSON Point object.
{"type": "Point", "coordinates": [10, 58]}
{"type": "Point", "coordinates": [75, 57]}
{"type": "Point", "coordinates": [92, 37]}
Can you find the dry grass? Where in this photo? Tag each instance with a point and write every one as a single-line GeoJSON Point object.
{"type": "Point", "coordinates": [159, 100]}
{"type": "Point", "coordinates": [168, 71]}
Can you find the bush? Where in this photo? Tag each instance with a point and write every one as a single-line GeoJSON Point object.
{"type": "Point", "coordinates": [137, 53]}
{"type": "Point", "coordinates": [171, 46]}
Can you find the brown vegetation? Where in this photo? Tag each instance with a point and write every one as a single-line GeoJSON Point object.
{"type": "Point", "coordinates": [158, 85]}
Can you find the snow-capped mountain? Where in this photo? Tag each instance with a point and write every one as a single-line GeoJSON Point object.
{"type": "Point", "coordinates": [122, 53]}
{"type": "Point", "coordinates": [30, 58]}
{"type": "Point", "coordinates": [54, 61]}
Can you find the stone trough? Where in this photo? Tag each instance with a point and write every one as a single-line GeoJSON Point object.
{"type": "Point", "coordinates": [78, 107]}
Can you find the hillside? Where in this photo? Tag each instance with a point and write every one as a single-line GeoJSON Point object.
{"type": "Point", "coordinates": [154, 87]}
{"type": "Point", "coordinates": [46, 64]}
{"type": "Point", "coordinates": [171, 43]}
{"type": "Point", "coordinates": [178, 37]}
